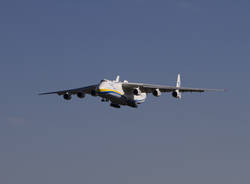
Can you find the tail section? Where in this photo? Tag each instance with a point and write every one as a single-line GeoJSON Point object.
{"type": "Point", "coordinates": [117, 78]}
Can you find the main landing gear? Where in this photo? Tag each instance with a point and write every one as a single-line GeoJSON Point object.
{"type": "Point", "coordinates": [104, 100]}
{"type": "Point", "coordinates": [115, 105]}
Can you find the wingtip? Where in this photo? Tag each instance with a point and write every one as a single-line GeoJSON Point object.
{"type": "Point", "coordinates": [222, 90]}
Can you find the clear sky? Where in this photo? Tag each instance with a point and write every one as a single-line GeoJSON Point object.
{"type": "Point", "coordinates": [55, 44]}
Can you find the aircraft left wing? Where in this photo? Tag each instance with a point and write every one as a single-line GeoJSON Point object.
{"type": "Point", "coordinates": [86, 89]}
{"type": "Point", "coordinates": [149, 88]}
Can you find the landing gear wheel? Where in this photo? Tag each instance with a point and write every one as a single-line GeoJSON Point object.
{"type": "Point", "coordinates": [104, 100]}
{"type": "Point", "coordinates": [115, 105]}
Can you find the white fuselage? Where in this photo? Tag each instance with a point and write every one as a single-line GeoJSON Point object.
{"type": "Point", "coordinates": [113, 91]}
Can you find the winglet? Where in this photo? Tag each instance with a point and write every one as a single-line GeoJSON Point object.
{"type": "Point", "coordinates": [178, 85]}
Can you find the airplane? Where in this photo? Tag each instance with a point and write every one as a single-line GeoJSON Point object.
{"type": "Point", "coordinates": [126, 93]}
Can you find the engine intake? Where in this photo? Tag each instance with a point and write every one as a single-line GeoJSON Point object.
{"type": "Point", "coordinates": [67, 96]}
{"type": "Point", "coordinates": [80, 95]}
{"type": "Point", "coordinates": [176, 94]}
{"type": "Point", "coordinates": [93, 92]}
{"type": "Point", "coordinates": [137, 91]}
{"type": "Point", "coordinates": [157, 92]}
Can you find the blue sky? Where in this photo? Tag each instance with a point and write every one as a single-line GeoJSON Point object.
{"type": "Point", "coordinates": [51, 45]}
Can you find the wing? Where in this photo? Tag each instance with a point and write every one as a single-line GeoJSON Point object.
{"type": "Point", "coordinates": [149, 88]}
{"type": "Point", "coordinates": [86, 89]}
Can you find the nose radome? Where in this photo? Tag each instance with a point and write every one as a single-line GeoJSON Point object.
{"type": "Point", "coordinates": [100, 86]}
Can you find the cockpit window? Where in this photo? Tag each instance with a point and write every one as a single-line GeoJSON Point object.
{"type": "Point", "coordinates": [103, 80]}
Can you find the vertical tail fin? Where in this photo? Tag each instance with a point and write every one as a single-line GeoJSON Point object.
{"type": "Point", "coordinates": [117, 78]}
{"type": "Point", "coordinates": [178, 82]}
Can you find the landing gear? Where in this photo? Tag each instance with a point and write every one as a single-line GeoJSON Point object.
{"type": "Point", "coordinates": [115, 105]}
{"type": "Point", "coordinates": [104, 100]}
{"type": "Point", "coordinates": [131, 103]}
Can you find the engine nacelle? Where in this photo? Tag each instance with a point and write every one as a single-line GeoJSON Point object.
{"type": "Point", "coordinates": [157, 92]}
{"type": "Point", "coordinates": [93, 92]}
{"type": "Point", "coordinates": [176, 94]}
{"type": "Point", "coordinates": [137, 91]}
{"type": "Point", "coordinates": [80, 95]}
{"type": "Point", "coordinates": [67, 96]}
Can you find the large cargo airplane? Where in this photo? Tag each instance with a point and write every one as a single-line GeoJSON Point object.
{"type": "Point", "coordinates": [126, 93]}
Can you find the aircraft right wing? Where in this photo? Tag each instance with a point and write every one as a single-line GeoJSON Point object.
{"type": "Point", "coordinates": [149, 88]}
{"type": "Point", "coordinates": [86, 89]}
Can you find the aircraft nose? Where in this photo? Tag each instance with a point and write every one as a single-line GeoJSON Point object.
{"type": "Point", "coordinates": [100, 86]}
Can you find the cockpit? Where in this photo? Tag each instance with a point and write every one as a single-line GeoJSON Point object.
{"type": "Point", "coordinates": [103, 84]}
{"type": "Point", "coordinates": [103, 80]}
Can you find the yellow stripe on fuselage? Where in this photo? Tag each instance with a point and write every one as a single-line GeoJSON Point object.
{"type": "Point", "coordinates": [109, 90]}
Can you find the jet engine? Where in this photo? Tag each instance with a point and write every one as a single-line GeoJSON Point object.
{"type": "Point", "coordinates": [137, 91]}
{"type": "Point", "coordinates": [93, 92]}
{"type": "Point", "coordinates": [176, 94]}
{"type": "Point", "coordinates": [157, 92]}
{"type": "Point", "coordinates": [80, 95]}
{"type": "Point", "coordinates": [67, 96]}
